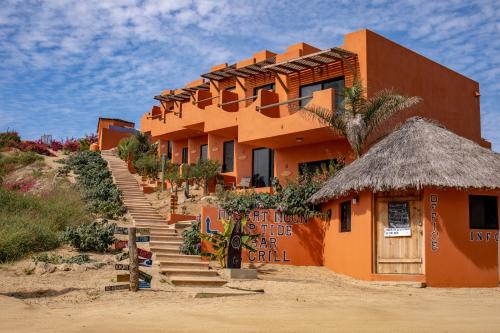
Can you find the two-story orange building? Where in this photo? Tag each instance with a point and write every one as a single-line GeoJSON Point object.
{"type": "Point", "coordinates": [246, 115]}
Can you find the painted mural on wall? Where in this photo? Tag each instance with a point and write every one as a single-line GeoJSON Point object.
{"type": "Point", "coordinates": [283, 239]}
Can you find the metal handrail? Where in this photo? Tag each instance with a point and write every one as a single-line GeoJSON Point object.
{"type": "Point", "coordinates": [204, 100]}
{"type": "Point", "coordinates": [281, 103]}
{"type": "Point", "coordinates": [237, 101]}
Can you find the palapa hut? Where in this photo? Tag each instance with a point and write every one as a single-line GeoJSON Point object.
{"type": "Point", "coordinates": [421, 205]}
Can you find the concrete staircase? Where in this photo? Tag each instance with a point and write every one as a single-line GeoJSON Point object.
{"type": "Point", "coordinates": [165, 240]}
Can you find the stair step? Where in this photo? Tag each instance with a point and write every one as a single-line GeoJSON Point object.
{"type": "Point", "coordinates": [183, 264]}
{"type": "Point", "coordinates": [197, 281]}
{"type": "Point", "coordinates": [184, 272]}
{"type": "Point", "coordinates": [165, 250]}
{"type": "Point", "coordinates": [165, 243]}
{"type": "Point", "coordinates": [165, 238]}
{"type": "Point", "coordinates": [178, 257]}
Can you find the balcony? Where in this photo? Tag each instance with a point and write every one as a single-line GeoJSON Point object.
{"type": "Point", "coordinates": [260, 124]}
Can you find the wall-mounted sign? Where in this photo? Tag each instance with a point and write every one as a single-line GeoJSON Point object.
{"type": "Point", "coordinates": [483, 236]}
{"type": "Point", "coordinates": [117, 287]}
{"type": "Point", "coordinates": [398, 215]}
{"type": "Point", "coordinates": [397, 232]}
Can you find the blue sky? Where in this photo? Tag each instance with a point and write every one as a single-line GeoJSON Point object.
{"type": "Point", "coordinates": [65, 63]}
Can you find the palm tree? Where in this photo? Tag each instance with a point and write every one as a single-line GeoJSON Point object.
{"type": "Point", "coordinates": [358, 116]}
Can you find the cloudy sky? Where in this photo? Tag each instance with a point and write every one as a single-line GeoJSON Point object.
{"type": "Point", "coordinates": [65, 63]}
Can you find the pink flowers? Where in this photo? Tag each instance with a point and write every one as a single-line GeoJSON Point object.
{"type": "Point", "coordinates": [22, 185]}
{"type": "Point", "coordinates": [35, 146]}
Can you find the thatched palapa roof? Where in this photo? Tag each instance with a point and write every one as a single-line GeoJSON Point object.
{"type": "Point", "coordinates": [420, 153]}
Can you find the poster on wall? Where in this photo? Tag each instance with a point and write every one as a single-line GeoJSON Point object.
{"type": "Point", "coordinates": [398, 219]}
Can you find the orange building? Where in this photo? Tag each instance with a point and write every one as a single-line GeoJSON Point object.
{"type": "Point", "coordinates": [420, 205]}
{"type": "Point", "coordinates": [111, 131]}
{"type": "Point", "coordinates": [246, 114]}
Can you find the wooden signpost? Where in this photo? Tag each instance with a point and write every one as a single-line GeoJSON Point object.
{"type": "Point", "coordinates": [143, 253]}
{"type": "Point", "coordinates": [134, 260]}
{"type": "Point", "coordinates": [117, 287]}
{"type": "Point", "coordinates": [173, 203]}
{"type": "Point", "coordinates": [124, 231]}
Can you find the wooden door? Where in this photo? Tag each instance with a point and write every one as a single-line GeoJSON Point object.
{"type": "Point", "coordinates": [399, 234]}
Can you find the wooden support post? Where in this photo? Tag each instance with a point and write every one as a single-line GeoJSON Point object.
{"type": "Point", "coordinates": [134, 259]}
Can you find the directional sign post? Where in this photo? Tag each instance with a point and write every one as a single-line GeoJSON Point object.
{"type": "Point", "coordinates": [142, 239]}
{"type": "Point", "coordinates": [145, 276]}
{"type": "Point", "coordinates": [145, 262]}
{"type": "Point", "coordinates": [134, 260]}
{"type": "Point", "coordinates": [143, 253]}
{"type": "Point", "coordinates": [117, 287]}
{"type": "Point", "coordinates": [121, 244]}
{"type": "Point", "coordinates": [123, 267]}
{"type": "Point", "coordinates": [144, 285]}
{"type": "Point", "coordinates": [122, 277]}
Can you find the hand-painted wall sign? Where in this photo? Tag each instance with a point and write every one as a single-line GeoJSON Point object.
{"type": "Point", "coordinates": [145, 276]}
{"type": "Point", "coordinates": [483, 236]}
{"type": "Point", "coordinates": [144, 253]}
{"type": "Point", "coordinates": [207, 226]}
{"type": "Point", "coordinates": [144, 285]}
{"type": "Point", "coordinates": [122, 277]}
{"type": "Point", "coordinates": [145, 262]}
{"type": "Point", "coordinates": [121, 244]}
{"type": "Point", "coordinates": [142, 239]}
{"type": "Point", "coordinates": [434, 221]}
{"type": "Point", "coordinates": [124, 267]}
{"type": "Point", "coordinates": [117, 287]}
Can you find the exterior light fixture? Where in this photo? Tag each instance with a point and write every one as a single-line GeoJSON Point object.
{"type": "Point", "coordinates": [299, 139]}
{"type": "Point", "coordinates": [355, 200]}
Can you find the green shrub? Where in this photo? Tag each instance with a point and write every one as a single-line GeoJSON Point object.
{"type": "Point", "coordinates": [30, 224]}
{"type": "Point", "coordinates": [58, 259]}
{"type": "Point", "coordinates": [205, 170]}
{"type": "Point", "coordinates": [96, 184]}
{"type": "Point", "coordinates": [191, 239]}
{"type": "Point", "coordinates": [148, 165]}
{"type": "Point", "coordinates": [12, 161]}
{"type": "Point", "coordinates": [95, 236]}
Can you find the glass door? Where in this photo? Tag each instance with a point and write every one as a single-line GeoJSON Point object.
{"type": "Point", "coordinates": [262, 167]}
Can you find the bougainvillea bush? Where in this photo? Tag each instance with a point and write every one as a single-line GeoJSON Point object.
{"type": "Point", "coordinates": [56, 145]}
{"type": "Point", "coordinates": [36, 147]}
{"type": "Point", "coordinates": [71, 145]}
{"type": "Point", "coordinates": [9, 139]}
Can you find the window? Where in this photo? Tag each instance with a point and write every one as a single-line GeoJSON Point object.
{"type": "Point", "coordinates": [169, 149]}
{"type": "Point", "coordinates": [270, 86]}
{"type": "Point", "coordinates": [345, 216]}
{"type": "Point", "coordinates": [483, 212]}
{"type": "Point", "coordinates": [337, 84]}
{"type": "Point", "coordinates": [262, 167]}
{"type": "Point", "coordinates": [228, 163]}
{"type": "Point", "coordinates": [184, 155]}
{"type": "Point", "coordinates": [312, 167]}
{"type": "Point", "coordinates": [398, 214]}
{"type": "Point", "coordinates": [204, 152]}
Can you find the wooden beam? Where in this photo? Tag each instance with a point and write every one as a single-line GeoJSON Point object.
{"type": "Point", "coordinates": [283, 85]}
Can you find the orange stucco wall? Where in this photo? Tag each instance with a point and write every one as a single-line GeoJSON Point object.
{"type": "Point", "coordinates": [458, 257]}
{"type": "Point", "coordinates": [350, 253]}
{"type": "Point", "coordinates": [448, 96]}
{"type": "Point", "coordinates": [288, 241]}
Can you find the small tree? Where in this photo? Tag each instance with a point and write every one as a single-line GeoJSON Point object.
{"type": "Point", "coordinates": [172, 175]}
{"type": "Point", "coordinates": [206, 170]}
{"type": "Point", "coordinates": [189, 172]}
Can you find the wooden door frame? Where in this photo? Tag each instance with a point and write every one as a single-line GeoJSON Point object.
{"type": "Point", "coordinates": [386, 196]}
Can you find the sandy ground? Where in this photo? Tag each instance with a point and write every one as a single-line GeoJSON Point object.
{"type": "Point", "coordinates": [296, 299]}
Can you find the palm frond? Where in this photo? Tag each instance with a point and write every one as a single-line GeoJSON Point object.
{"type": "Point", "coordinates": [328, 117]}
{"type": "Point", "coordinates": [383, 105]}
